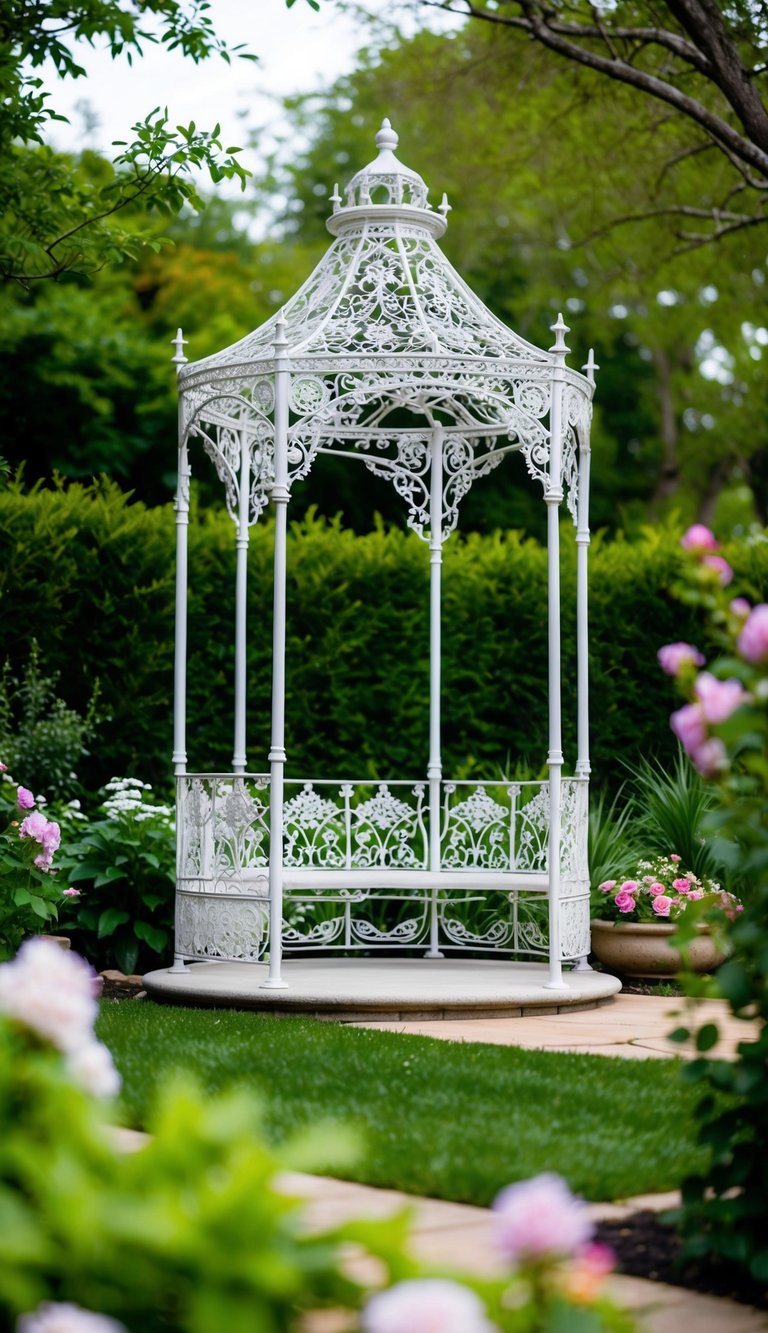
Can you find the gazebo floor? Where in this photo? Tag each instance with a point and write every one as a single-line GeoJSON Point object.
{"type": "Point", "coordinates": [384, 987]}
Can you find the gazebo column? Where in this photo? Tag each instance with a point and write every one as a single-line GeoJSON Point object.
{"type": "Point", "coordinates": [553, 498]}
{"type": "Point", "coordinates": [181, 506]}
{"type": "Point", "coordinates": [435, 765]}
{"type": "Point", "coordinates": [280, 495]}
{"type": "Point", "coordinates": [241, 594]}
{"type": "Point", "coordinates": [583, 768]}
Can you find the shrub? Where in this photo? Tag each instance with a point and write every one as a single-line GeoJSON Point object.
{"type": "Point", "coordinates": [43, 740]}
{"type": "Point", "coordinates": [30, 895]}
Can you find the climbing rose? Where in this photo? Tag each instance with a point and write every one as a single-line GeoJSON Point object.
{"type": "Point", "coordinates": [718, 698]}
{"type": "Point", "coordinates": [674, 656]}
{"type": "Point", "coordinates": [721, 568]}
{"type": "Point", "coordinates": [699, 538]}
{"type": "Point", "coordinates": [752, 642]}
{"type": "Point", "coordinates": [661, 904]}
{"type": "Point", "coordinates": [52, 1318]}
{"type": "Point", "coordinates": [540, 1217]}
{"type": "Point", "coordinates": [24, 798]}
{"type": "Point", "coordinates": [427, 1305]}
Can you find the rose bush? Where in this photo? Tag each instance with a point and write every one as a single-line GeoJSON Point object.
{"type": "Point", "coordinates": [660, 890]}
{"type": "Point", "coordinates": [30, 895]}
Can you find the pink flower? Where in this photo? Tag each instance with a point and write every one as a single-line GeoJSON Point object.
{"type": "Point", "coordinates": [33, 826]}
{"type": "Point", "coordinates": [718, 698]}
{"type": "Point", "coordinates": [44, 831]}
{"type": "Point", "coordinates": [607, 885]}
{"type": "Point", "coordinates": [710, 758]}
{"type": "Point", "coordinates": [91, 1066]}
{"type": "Point", "coordinates": [51, 991]}
{"type": "Point", "coordinates": [629, 886]}
{"type": "Point", "coordinates": [696, 895]}
{"type": "Point", "coordinates": [689, 726]}
{"type": "Point", "coordinates": [673, 856]}
{"type": "Point", "coordinates": [674, 656]}
{"type": "Point", "coordinates": [740, 607]}
{"type": "Point", "coordinates": [624, 901]}
{"type": "Point", "coordinates": [585, 1277]}
{"type": "Point", "coordinates": [3, 768]}
{"type": "Point", "coordinates": [661, 905]}
{"type": "Point", "coordinates": [656, 889]}
{"type": "Point", "coordinates": [752, 643]}
{"type": "Point", "coordinates": [426, 1305]}
{"type": "Point", "coordinates": [71, 893]}
{"type": "Point", "coordinates": [682, 885]}
{"type": "Point", "coordinates": [539, 1217]}
{"type": "Point", "coordinates": [59, 1318]}
{"type": "Point", "coordinates": [24, 798]}
{"type": "Point", "coordinates": [699, 538]}
{"type": "Point", "coordinates": [721, 568]}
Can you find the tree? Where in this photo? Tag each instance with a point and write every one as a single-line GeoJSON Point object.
{"type": "Point", "coordinates": [703, 61]}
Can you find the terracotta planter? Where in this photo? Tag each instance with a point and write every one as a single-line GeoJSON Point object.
{"type": "Point", "coordinates": [642, 949]}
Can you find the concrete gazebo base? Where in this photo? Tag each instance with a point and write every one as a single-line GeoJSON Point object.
{"type": "Point", "coordinates": [384, 987]}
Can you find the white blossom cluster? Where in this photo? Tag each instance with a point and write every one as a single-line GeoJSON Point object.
{"type": "Point", "coordinates": [53, 992]}
{"type": "Point", "coordinates": [56, 1318]}
{"type": "Point", "coordinates": [127, 798]}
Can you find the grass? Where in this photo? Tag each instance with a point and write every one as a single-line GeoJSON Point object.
{"type": "Point", "coordinates": [453, 1121]}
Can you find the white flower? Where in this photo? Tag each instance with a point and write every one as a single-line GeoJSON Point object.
{"type": "Point", "coordinates": [51, 991]}
{"type": "Point", "coordinates": [429, 1305]}
{"type": "Point", "coordinates": [91, 1066]}
{"type": "Point", "coordinates": [52, 1318]}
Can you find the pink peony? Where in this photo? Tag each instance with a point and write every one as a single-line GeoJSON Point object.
{"type": "Point", "coordinates": [655, 889]}
{"type": "Point", "coordinates": [699, 538]}
{"type": "Point", "coordinates": [752, 643]}
{"type": "Point", "coordinates": [34, 826]}
{"type": "Point", "coordinates": [673, 856]}
{"type": "Point", "coordinates": [540, 1217]}
{"type": "Point", "coordinates": [674, 656]}
{"type": "Point", "coordinates": [718, 698]}
{"type": "Point", "coordinates": [24, 798]}
{"type": "Point", "coordinates": [720, 567]}
{"type": "Point", "coordinates": [661, 905]}
{"type": "Point", "coordinates": [607, 885]}
{"type": "Point", "coordinates": [682, 885]}
{"type": "Point", "coordinates": [51, 991]}
{"type": "Point", "coordinates": [3, 768]}
{"type": "Point", "coordinates": [71, 893]}
{"type": "Point", "coordinates": [55, 1318]}
{"type": "Point", "coordinates": [624, 901]}
{"type": "Point", "coordinates": [426, 1305]}
{"type": "Point", "coordinates": [689, 726]}
{"type": "Point", "coordinates": [710, 758]}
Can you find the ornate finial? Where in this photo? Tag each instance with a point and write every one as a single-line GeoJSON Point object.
{"type": "Point", "coordinates": [444, 207]}
{"type": "Point", "coordinates": [179, 342]}
{"type": "Point", "coordinates": [280, 338]}
{"type": "Point", "coordinates": [559, 328]}
{"type": "Point", "coordinates": [336, 198]}
{"type": "Point", "coordinates": [386, 139]}
{"type": "Point", "coordinates": [591, 366]}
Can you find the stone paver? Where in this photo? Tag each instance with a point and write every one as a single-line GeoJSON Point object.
{"type": "Point", "coordinates": [632, 1026]}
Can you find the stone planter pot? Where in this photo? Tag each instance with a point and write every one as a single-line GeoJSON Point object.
{"type": "Point", "coordinates": [642, 949]}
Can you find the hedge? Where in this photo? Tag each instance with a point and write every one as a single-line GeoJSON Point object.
{"type": "Point", "coordinates": [91, 575]}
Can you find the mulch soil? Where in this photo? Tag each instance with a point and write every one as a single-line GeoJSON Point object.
{"type": "Point", "coordinates": [644, 1244]}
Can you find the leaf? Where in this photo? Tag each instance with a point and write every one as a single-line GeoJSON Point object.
{"type": "Point", "coordinates": [126, 954]}
{"type": "Point", "coordinates": [108, 876]}
{"type": "Point", "coordinates": [152, 935]}
{"type": "Point", "coordinates": [110, 919]}
{"type": "Point", "coordinates": [707, 1037]}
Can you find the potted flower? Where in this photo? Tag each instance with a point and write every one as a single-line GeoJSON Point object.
{"type": "Point", "coordinates": [633, 919]}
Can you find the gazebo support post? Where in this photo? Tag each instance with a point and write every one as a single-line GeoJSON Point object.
{"type": "Point", "coordinates": [553, 498]}
{"type": "Point", "coordinates": [435, 766]}
{"type": "Point", "coordinates": [583, 767]}
{"type": "Point", "coordinates": [280, 495]}
{"type": "Point", "coordinates": [241, 592]}
{"type": "Point", "coordinates": [181, 506]}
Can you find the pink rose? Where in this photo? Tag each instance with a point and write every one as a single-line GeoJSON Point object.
{"type": "Point", "coordinates": [718, 698]}
{"type": "Point", "coordinates": [540, 1217]}
{"type": "Point", "coordinates": [689, 726]}
{"type": "Point", "coordinates": [629, 886]}
{"type": "Point", "coordinates": [673, 856]}
{"type": "Point", "coordinates": [674, 656]}
{"type": "Point", "coordinates": [656, 889]}
{"type": "Point", "coordinates": [696, 895]}
{"type": "Point", "coordinates": [682, 885]}
{"type": "Point", "coordinates": [624, 901]}
{"type": "Point", "coordinates": [721, 568]}
{"type": "Point", "coordinates": [699, 538]}
{"type": "Point", "coordinates": [661, 905]}
{"type": "Point", "coordinates": [24, 798]}
{"type": "Point", "coordinates": [710, 757]}
{"type": "Point", "coordinates": [607, 885]}
{"type": "Point", "coordinates": [33, 826]}
{"type": "Point", "coordinates": [752, 643]}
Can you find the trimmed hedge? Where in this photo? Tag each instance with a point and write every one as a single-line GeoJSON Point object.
{"type": "Point", "coordinates": [91, 576]}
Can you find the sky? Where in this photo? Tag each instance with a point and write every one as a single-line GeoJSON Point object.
{"type": "Point", "coordinates": [299, 51]}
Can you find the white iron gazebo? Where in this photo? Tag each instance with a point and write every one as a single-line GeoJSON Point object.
{"type": "Point", "coordinates": [384, 357]}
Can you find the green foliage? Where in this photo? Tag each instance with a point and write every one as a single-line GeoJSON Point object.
{"type": "Point", "coordinates": [613, 844]}
{"type": "Point", "coordinates": [725, 1207]}
{"type": "Point", "coordinates": [671, 807]}
{"type": "Point", "coordinates": [41, 738]}
{"type": "Point", "coordinates": [84, 566]}
{"type": "Point", "coordinates": [30, 895]}
{"type": "Point", "coordinates": [124, 865]}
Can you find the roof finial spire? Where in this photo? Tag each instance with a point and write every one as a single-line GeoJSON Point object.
{"type": "Point", "coordinates": [387, 139]}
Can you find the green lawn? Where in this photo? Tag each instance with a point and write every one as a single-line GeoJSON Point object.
{"type": "Point", "coordinates": [454, 1121]}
